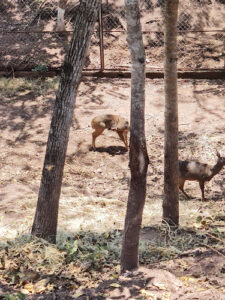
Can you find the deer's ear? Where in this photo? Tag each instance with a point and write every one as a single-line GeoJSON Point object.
{"type": "Point", "coordinates": [218, 154]}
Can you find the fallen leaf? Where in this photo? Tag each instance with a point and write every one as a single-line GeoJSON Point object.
{"type": "Point", "coordinates": [190, 279]}
{"type": "Point", "coordinates": [148, 294]}
{"type": "Point", "coordinates": [159, 286]}
{"type": "Point", "coordinates": [115, 285]}
{"type": "Point", "coordinates": [28, 288]}
{"type": "Point", "coordinates": [78, 294]}
{"type": "Point", "coordinates": [40, 285]}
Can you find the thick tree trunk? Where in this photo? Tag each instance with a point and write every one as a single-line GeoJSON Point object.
{"type": "Point", "coordinates": [171, 193]}
{"type": "Point", "coordinates": [138, 152]}
{"type": "Point", "coordinates": [45, 221]}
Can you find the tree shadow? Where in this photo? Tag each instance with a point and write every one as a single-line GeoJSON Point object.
{"type": "Point", "coordinates": [25, 112]}
{"type": "Point", "coordinates": [82, 257]}
{"type": "Point", "coordinates": [187, 139]}
{"type": "Point", "coordinates": [35, 49]}
{"type": "Point", "coordinates": [41, 51]}
{"type": "Point", "coordinates": [20, 114]}
{"type": "Point", "coordinates": [201, 98]}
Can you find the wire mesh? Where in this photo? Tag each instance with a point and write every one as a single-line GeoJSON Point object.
{"type": "Point", "coordinates": [29, 37]}
{"type": "Point", "coordinates": [201, 39]}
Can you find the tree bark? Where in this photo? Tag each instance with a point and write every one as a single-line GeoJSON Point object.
{"type": "Point", "coordinates": [46, 216]}
{"type": "Point", "coordinates": [171, 192]}
{"type": "Point", "coordinates": [60, 15]}
{"type": "Point", "coordinates": [138, 156]}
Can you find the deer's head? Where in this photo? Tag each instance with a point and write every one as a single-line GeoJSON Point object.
{"type": "Point", "coordinates": [220, 159]}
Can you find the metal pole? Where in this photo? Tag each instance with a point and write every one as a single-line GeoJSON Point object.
{"type": "Point", "coordinates": [101, 38]}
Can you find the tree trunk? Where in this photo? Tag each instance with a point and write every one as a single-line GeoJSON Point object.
{"type": "Point", "coordinates": [171, 193]}
{"type": "Point", "coordinates": [45, 221]}
{"type": "Point", "coordinates": [60, 15]}
{"type": "Point", "coordinates": [138, 157]}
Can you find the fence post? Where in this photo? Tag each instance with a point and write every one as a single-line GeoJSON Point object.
{"type": "Point", "coordinates": [101, 38]}
{"type": "Point", "coordinates": [223, 51]}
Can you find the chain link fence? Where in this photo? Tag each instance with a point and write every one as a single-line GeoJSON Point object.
{"type": "Point", "coordinates": [29, 39]}
{"type": "Point", "coordinates": [201, 37]}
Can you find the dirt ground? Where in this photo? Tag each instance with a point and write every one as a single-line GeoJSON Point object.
{"type": "Point", "coordinates": [191, 263]}
{"type": "Point", "coordinates": [95, 184]}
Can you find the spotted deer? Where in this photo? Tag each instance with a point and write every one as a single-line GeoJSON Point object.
{"type": "Point", "coordinates": [110, 122]}
{"type": "Point", "coordinates": [195, 171]}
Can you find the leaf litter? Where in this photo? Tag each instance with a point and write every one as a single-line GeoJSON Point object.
{"type": "Point", "coordinates": [80, 265]}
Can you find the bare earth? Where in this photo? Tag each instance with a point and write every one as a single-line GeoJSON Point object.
{"type": "Point", "coordinates": [95, 184]}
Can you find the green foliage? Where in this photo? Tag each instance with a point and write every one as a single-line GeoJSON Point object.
{"type": "Point", "coordinates": [40, 68]}
{"type": "Point", "coordinates": [18, 296]}
{"type": "Point", "coordinates": [171, 243]}
{"type": "Point", "coordinates": [92, 251]}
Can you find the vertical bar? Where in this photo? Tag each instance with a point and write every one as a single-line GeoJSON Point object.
{"type": "Point", "coordinates": [101, 38]}
{"type": "Point", "coordinates": [223, 51]}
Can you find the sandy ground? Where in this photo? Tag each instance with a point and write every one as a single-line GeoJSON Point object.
{"type": "Point", "coordinates": [95, 184]}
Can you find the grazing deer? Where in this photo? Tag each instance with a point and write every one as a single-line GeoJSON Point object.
{"type": "Point", "coordinates": [196, 171]}
{"type": "Point", "coordinates": [110, 122]}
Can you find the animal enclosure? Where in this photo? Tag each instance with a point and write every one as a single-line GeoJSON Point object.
{"type": "Point", "coordinates": [95, 189]}
{"type": "Point", "coordinates": [185, 263]}
{"type": "Point", "coordinates": [95, 184]}
{"type": "Point", "coordinates": [29, 41]}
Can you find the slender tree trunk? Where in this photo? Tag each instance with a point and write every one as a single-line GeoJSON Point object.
{"type": "Point", "coordinates": [138, 160]}
{"type": "Point", "coordinates": [171, 193]}
{"type": "Point", "coordinates": [45, 221]}
{"type": "Point", "coordinates": [60, 15]}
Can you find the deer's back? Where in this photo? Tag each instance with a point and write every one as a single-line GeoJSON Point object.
{"type": "Point", "coordinates": [110, 122]}
{"type": "Point", "coordinates": [193, 170]}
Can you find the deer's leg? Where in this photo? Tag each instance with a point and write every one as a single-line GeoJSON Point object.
{"type": "Point", "coordinates": [123, 137]}
{"type": "Point", "coordinates": [95, 134]}
{"type": "Point", "coordinates": [181, 187]}
{"type": "Point", "coordinates": [202, 187]}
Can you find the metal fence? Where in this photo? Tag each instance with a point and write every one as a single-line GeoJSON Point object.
{"type": "Point", "coordinates": [29, 41]}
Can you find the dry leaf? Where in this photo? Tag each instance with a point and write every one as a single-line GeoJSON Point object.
{"type": "Point", "coordinates": [28, 289]}
{"type": "Point", "coordinates": [40, 286]}
{"type": "Point", "coordinates": [159, 286]}
{"type": "Point", "coordinates": [115, 285]}
{"type": "Point", "coordinates": [148, 294]}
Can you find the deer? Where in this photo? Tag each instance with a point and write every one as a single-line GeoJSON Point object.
{"type": "Point", "coordinates": [110, 122]}
{"type": "Point", "coordinates": [195, 171]}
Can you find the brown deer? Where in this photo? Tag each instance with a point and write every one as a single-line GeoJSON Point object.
{"type": "Point", "coordinates": [196, 171]}
{"type": "Point", "coordinates": [110, 122]}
